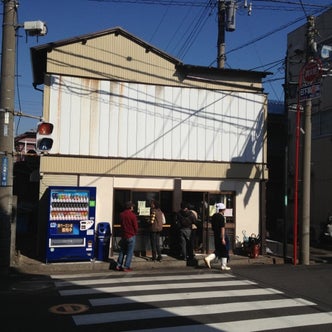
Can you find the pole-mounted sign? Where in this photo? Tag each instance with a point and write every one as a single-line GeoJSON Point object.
{"type": "Point", "coordinates": [312, 71]}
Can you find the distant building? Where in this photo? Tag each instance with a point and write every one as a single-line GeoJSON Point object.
{"type": "Point", "coordinates": [321, 120]}
{"type": "Point", "coordinates": [24, 144]}
{"type": "Point", "coordinates": [277, 137]}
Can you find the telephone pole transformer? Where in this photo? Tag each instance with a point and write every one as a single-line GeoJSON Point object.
{"type": "Point", "coordinates": [226, 22]}
{"type": "Point", "coordinates": [221, 34]}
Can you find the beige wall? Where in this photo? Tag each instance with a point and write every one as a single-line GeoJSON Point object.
{"type": "Point", "coordinates": [247, 194]}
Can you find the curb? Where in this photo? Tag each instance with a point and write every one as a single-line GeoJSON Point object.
{"type": "Point", "coordinates": [27, 265]}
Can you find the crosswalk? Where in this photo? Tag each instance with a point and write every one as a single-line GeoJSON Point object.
{"type": "Point", "coordinates": [199, 301]}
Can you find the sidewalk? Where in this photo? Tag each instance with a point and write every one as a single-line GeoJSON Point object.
{"type": "Point", "coordinates": [274, 256]}
{"type": "Point", "coordinates": [31, 266]}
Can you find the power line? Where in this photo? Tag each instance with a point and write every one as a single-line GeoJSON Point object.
{"type": "Point", "coordinates": [288, 5]}
{"type": "Point", "coordinates": [283, 5]}
{"type": "Point", "coordinates": [195, 31]}
{"type": "Point", "coordinates": [159, 2]}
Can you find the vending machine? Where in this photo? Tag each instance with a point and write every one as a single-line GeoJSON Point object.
{"type": "Point", "coordinates": [71, 224]}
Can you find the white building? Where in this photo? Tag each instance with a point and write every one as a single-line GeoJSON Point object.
{"type": "Point", "coordinates": [137, 124]}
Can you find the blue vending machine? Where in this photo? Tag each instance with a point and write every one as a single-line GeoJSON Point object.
{"type": "Point", "coordinates": [71, 224]}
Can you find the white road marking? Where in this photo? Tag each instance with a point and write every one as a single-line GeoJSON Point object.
{"type": "Point", "coordinates": [182, 286]}
{"type": "Point", "coordinates": [182, 296]}
{"type": "Point", "coordinates": [106, 280]}
{"type": "Point", "coordinates": [149, 287]}
{"type": "Point", "coordinates": [109, 317]}
{"type": "Point", "coordinates": [254, 325]}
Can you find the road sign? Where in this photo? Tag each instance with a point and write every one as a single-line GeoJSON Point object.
{"type": "Point", "coordinates": [312, 71]}
{"type": "Point", "coordinates": [310, 91]}
{"type": "Point", "coordinates": [69, 308]}
{"type": "Point", "coordinates": [326, 52]}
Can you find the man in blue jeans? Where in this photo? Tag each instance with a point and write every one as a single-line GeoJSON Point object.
{"type": "Point", "coordinates": [129, 228]}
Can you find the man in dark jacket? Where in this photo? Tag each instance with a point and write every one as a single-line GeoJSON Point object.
{"type": "Point", "coordinates": [129, 229]}
{"type": "Point", "coordinates": [220, 239]}
{"type": "Point", "coordinates": [185, 218]}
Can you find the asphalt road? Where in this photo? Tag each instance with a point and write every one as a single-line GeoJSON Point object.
{"type": "Point", "coordinates": [28, 299]}
{"type": "Point", "coordinates": [313, 282]}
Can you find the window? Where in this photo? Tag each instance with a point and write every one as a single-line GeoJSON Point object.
{"type": "Point", "coordinates": [142, 200]}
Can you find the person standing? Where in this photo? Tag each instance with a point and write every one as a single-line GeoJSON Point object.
{"type": "Point", "coordinates": [220, 242]}
{"type": "Point", "coordinates": [129, 229]}
{"type": "Point", "coordinates": [185, 218]}
{"type": "Point", "coordinates": [194, 229]}
{"type": "Point", "coordinates": [156, 221]}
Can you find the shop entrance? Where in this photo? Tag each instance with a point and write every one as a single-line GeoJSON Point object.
{"type": "Point", "coordinates": [204, 204]}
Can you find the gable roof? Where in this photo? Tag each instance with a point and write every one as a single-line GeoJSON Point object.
{"type": "Point", "coordinates": [39, 59]}
{"type": "Point", "coordinates": [39, 53]}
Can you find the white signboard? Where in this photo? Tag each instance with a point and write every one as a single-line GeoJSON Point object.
{"type": "Point", "coordinates": [310, 91]}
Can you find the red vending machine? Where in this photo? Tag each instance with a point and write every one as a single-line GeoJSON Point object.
{"type": "Point", "coordinates": [71, 224]}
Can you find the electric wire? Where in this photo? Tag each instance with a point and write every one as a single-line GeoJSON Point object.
{"type": "Point", "coordinates": [196, 28]}
{"type": "Point", "coordinates": [176, 32]}
{"type": "Point", "coordinates": [304, 11]}
{"type": "Point", "coordinates": [288, 4]}
{"type": "Point", "coordinates": [160, 23]}
{"type": "Point", "coordinates": [204, 16]}
{"type": "Point", "coordinates": [193, 30]}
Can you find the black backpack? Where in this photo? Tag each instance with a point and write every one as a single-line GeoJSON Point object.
{"type": "Point", "coordinates": [186, 220]}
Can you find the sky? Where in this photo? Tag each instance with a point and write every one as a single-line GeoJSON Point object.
{"type": "Point", "coordinates": [185, 29]}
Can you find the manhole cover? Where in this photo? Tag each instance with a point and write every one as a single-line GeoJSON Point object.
{"type": "Point", "coordinates": [69, 309]}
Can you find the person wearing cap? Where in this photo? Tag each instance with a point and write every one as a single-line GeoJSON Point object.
{"type": "Point", "coordinates": [129, 229]}
{"type": "Point", "coordinates": [220, 242]}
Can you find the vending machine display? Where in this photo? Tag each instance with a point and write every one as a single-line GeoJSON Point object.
{"type": "Point", "coordinates": [71, 224]}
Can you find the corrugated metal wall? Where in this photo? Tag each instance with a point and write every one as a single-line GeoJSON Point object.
{"type": "Point", "coordinates": [129, 120]}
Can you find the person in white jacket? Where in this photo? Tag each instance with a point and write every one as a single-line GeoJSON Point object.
{"type": "Point", "coordinates": [220, 242]}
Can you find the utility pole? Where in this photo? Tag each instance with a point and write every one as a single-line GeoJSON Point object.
{"type": "Point", "coordinates": [7, 103]}
{"type": "Point", "coordinates": [309, 78]}
{"type": "Point", "coordinates": [221, 33]}
{"type": "Point", "coordinates": [305, 232]}
{"type": "Point", "coordinates": [226, 22]}
{"type": "Point", "coordinates": [7, 112]}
